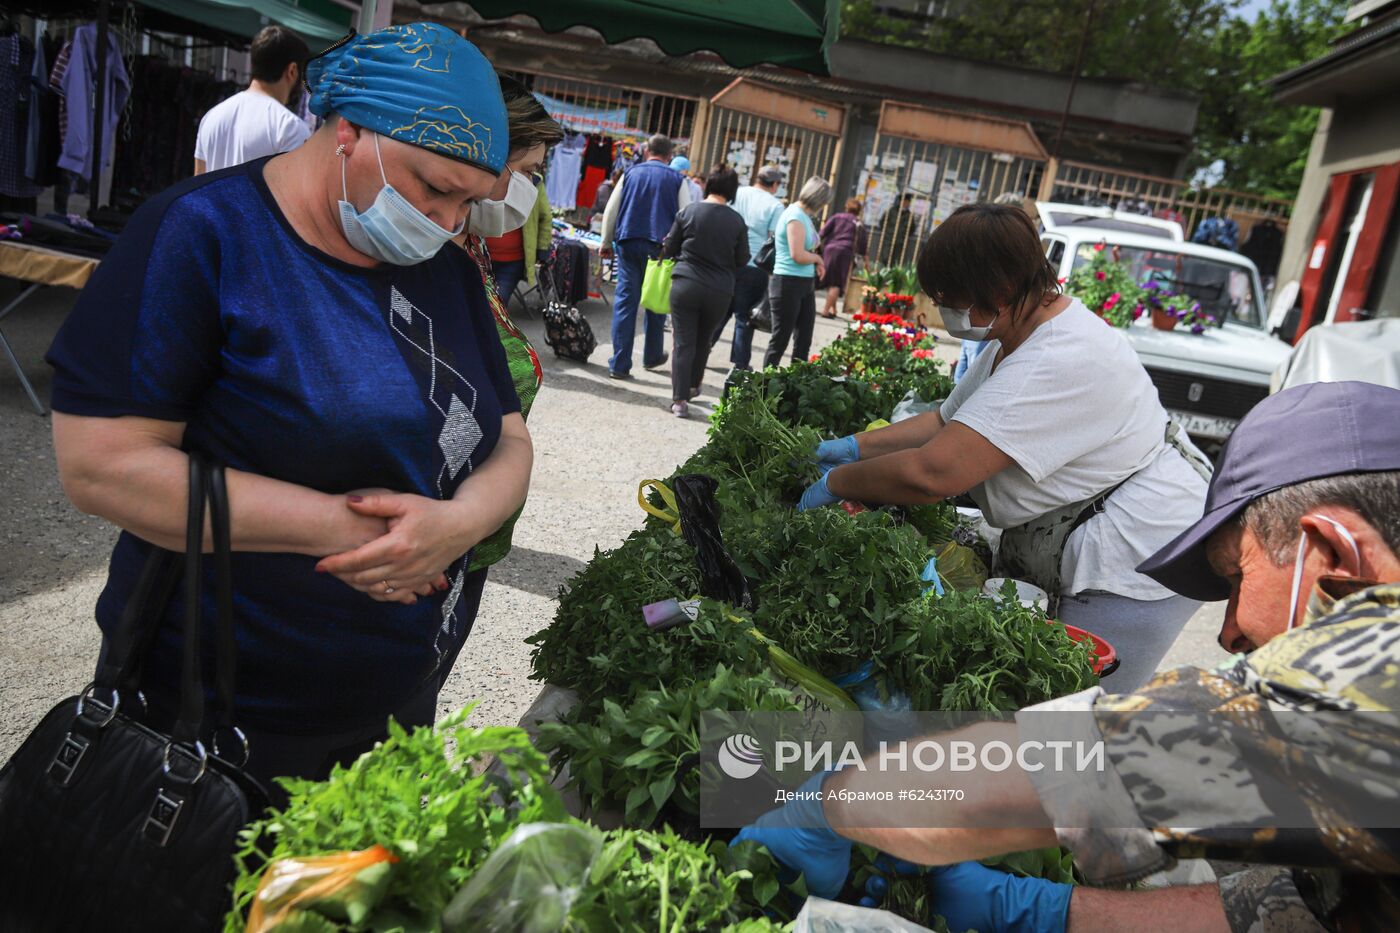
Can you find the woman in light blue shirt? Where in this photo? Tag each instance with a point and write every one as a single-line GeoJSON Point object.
{"type": "Point", "coordinates": [796, 268]}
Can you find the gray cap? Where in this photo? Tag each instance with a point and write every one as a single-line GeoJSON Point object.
{"type": "Point", "coordinates": [770, 175]}
{"type": "Point", "coordinates": [1303, 433]}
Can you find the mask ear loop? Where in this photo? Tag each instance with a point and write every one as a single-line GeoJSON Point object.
{"type": "Point", "coordinates": [378, 155]}
{"type": "Point", "coordinates": [1297, 581]}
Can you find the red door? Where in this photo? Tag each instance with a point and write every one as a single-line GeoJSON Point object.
{"type": "Point", "coordinates": [1341, 262]}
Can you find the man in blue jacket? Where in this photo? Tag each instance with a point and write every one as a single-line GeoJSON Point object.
{"type": "Point", "coordinates": [638, 216]}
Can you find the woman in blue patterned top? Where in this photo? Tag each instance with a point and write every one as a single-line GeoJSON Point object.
{"type": "Point", "coordinates": [296, 319]}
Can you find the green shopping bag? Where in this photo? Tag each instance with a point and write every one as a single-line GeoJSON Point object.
{"type": "Point", "coordinates": [656, 286]}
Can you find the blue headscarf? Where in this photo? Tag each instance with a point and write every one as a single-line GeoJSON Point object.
{"type": "Point", "coordinates": [680, 164]}
{"type": "Point", "coordinates": [421, 84]}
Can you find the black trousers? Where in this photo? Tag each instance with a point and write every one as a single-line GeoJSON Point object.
{"type": "Point", "coordinates": [696, 310]}
{"type": "Point", "coordinates": [793, 300]}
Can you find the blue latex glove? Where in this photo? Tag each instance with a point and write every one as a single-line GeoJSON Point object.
{"type": "Point", "coordinates": [816, 496]}
{"type": "Point", "coordinates": [799, 836]}
{"type": "Point", "coordinates": [832, 454]}
{"type": "Point", "coordinates": [974, 897]}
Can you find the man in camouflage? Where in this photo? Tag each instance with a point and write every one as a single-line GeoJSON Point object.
{"type": "Point", "coordinates": [1301, 534]}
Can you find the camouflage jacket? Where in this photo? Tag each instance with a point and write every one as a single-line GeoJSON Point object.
{"type": "Point", "coordinates": [1342, 669]}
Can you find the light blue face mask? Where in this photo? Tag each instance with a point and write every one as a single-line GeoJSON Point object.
{"type": "Point", "coordinates": [391, 229]}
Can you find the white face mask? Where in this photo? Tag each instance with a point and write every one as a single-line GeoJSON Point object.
{"type": "Point", "coordinates": [497, 218]}
{"type": "Point", "coordinates": [391, 229]}
{"type": "Point", "coordinates": [1298, 564]}
{"type": "Point", "coordinates": [958, 323]}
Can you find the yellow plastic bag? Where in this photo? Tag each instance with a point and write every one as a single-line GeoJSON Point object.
{"type": "Point", "coordinates": [961, 568]}
{"type": "Point", "coordinates": [342, 886]}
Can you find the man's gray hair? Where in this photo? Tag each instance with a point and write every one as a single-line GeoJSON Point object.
{"type": "Point", "coordinates": [660, 146]}
{"type": "Point", "coordinates": [770, 175]}
{"type": "Point", "coordinates": [1274, 517]}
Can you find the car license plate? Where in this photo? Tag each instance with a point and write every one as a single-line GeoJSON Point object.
{"type": "Point", "coordinates": [1205, 425]}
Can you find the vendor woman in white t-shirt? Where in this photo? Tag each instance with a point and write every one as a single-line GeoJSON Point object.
{"type": "Point", "coordinates": [1056, 432]}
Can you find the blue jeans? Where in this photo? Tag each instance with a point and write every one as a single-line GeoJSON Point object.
{"type": "Point", "coordinates": [630, 268]}
{"type": "Point", "coordinates": [508, 275]}
{"type": "Point", "coordinates": [749, 286]}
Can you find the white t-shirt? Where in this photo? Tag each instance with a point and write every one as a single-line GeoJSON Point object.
{"type": "Point", "coordinates": [245, 127]}
{"type": "Point", "coordinates": [1075, 410]}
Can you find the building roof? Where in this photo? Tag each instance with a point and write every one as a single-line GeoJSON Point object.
{"type": "Point", "coordinates": [1363, 63]}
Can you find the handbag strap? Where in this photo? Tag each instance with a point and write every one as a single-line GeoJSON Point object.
{"type": "Point", "coordinates": [191, 715]}
{"type": "Point", "coordinates": [119, 668]}
{"type": "Point", "coordinates": [226, 654]}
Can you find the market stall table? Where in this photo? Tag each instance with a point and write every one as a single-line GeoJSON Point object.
{"type": "Point", "coordinates": [39, 266]}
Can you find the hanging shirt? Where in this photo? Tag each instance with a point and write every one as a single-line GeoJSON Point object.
{"type": "Point", "coordinates": [561, 181]}
{"type": "Point", "coordinates": [285, 362]}
{"type": "Point", "coordinates": [16, 92]}
{"type": "Point", "coordinates": [1076, 411]}
{"type": "Point", "coordinates": [249, 125]}
{"type": "Point", "coordinates": [80, 91]}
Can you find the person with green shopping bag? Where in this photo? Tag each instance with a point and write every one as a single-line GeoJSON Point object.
{"type": "Point", "coordinates": [710, 244]}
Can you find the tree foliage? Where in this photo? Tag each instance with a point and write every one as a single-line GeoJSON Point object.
{"type": "Point", "coordinates": [1205, 47]}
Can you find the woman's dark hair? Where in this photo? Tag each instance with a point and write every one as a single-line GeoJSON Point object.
{"type": "Point", "coordinates": [723, 181]}
{"type": "Point", "coordinates": [530, 124]}
{"type": "Point", "coordinates": [986, 256]}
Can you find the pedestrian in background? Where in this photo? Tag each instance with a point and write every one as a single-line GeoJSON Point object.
{"type": "Point", "coordinates": [712, 244]}
{"type": "Point", "coordinates": [255, 123]}
{"type": "Point", "coordinates": [843, 238]}
{"type": "Point", "coordinates": [640, 211]}
{"type": "Point", "coordinates": [605, 190]}
{"type": "Point", "coordinates": [682, 165]}
{"type": "Point", "coordinates": [796, 268]}
{"type": "Point", "coordinates": [760, 208]}
{"type": "Point", "coordinates": [517, 253]}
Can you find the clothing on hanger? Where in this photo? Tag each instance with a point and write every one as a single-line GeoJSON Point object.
{"type": "Point", "coordinates": [16, 66]}
{"type": "Point", "coordinates": [597, 162]}
{"type": "Point", "coordinates": [80, 88]}
{"type": "Point", "coordinates": [562, 177]}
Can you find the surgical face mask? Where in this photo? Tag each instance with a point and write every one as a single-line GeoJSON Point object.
{"type": "Point", "coordinates": [497, 218]}
{"type": "Point", "coordinates": [1298, 563]}
{"type": "Point", "coordinates": [958, 323]}
{"type": "Point", "coordinates": [391, 230]}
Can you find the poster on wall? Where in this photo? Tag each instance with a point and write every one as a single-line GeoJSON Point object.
{"type": "Point", "coordinates": [879, 192]}
{"type": "Point", "coordinates": [783, 157]}
{"type": "Point", "coordinates": [742, 156]}
{"type": "Point", "coordinates": [922, 176]}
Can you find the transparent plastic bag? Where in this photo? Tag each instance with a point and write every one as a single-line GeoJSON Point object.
{"type": "Point", "coordinates": [529, 884]}
{"type": "Point", "coordinates": [343, 886]}
{"type": "Point", "coordinates": [822, 916]}
{"type": "Point", "coordinates": [961, 568]}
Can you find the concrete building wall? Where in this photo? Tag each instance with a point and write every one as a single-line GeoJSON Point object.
{"type": "Point", "coordinates": [1357, 135]}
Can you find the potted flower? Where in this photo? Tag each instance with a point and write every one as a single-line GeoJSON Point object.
{"type": "Point", "coordinates": [1106, 286]}
{"type": "Point", "coordinates": [1168, 308]}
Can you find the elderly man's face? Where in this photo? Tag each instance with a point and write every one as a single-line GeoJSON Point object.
{"type": "Point", "coordinates": [1259, 589]}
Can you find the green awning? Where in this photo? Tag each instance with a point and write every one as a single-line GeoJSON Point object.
{"type": "Point", "coordinates": [791, 33]}
{"type": "Point", "coordinates": [247, 17]}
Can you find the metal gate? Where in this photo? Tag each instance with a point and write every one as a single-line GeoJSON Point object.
{"type": "Point", "coordinates": [751, 125]}
{"type": "Point", "coordinates": [925, 164]}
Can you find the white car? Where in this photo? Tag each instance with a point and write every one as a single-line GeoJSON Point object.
{"type": "Point", "coordinates": [1207, 381]}
{"type": "Point", "coordinates": [1069, 218]}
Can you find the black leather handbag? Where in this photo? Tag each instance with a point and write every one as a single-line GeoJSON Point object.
{"type": "Point", "coordinates": [107, 824]}
{"type": "Point", "coordinates": [767, 256]}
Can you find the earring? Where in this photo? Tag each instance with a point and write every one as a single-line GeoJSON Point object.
{"type": "Point", "coordinates": [340, 150]}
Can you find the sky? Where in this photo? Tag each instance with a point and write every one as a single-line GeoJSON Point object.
{"type": "Point", "coordinates": [1251, 8]}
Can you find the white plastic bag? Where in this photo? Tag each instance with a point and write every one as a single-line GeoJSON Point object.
{"type": "Point", "coordinates": [529, 884]}
{"type": "Point", "coordinates": [821, 916]}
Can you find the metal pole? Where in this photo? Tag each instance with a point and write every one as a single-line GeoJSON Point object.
{"type": "Point", "coordinates": [367, 10]}
{"type": "Point", "coordinates": [1074, 78]}
{"type": "Point", "coordinates": [98, 103]}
